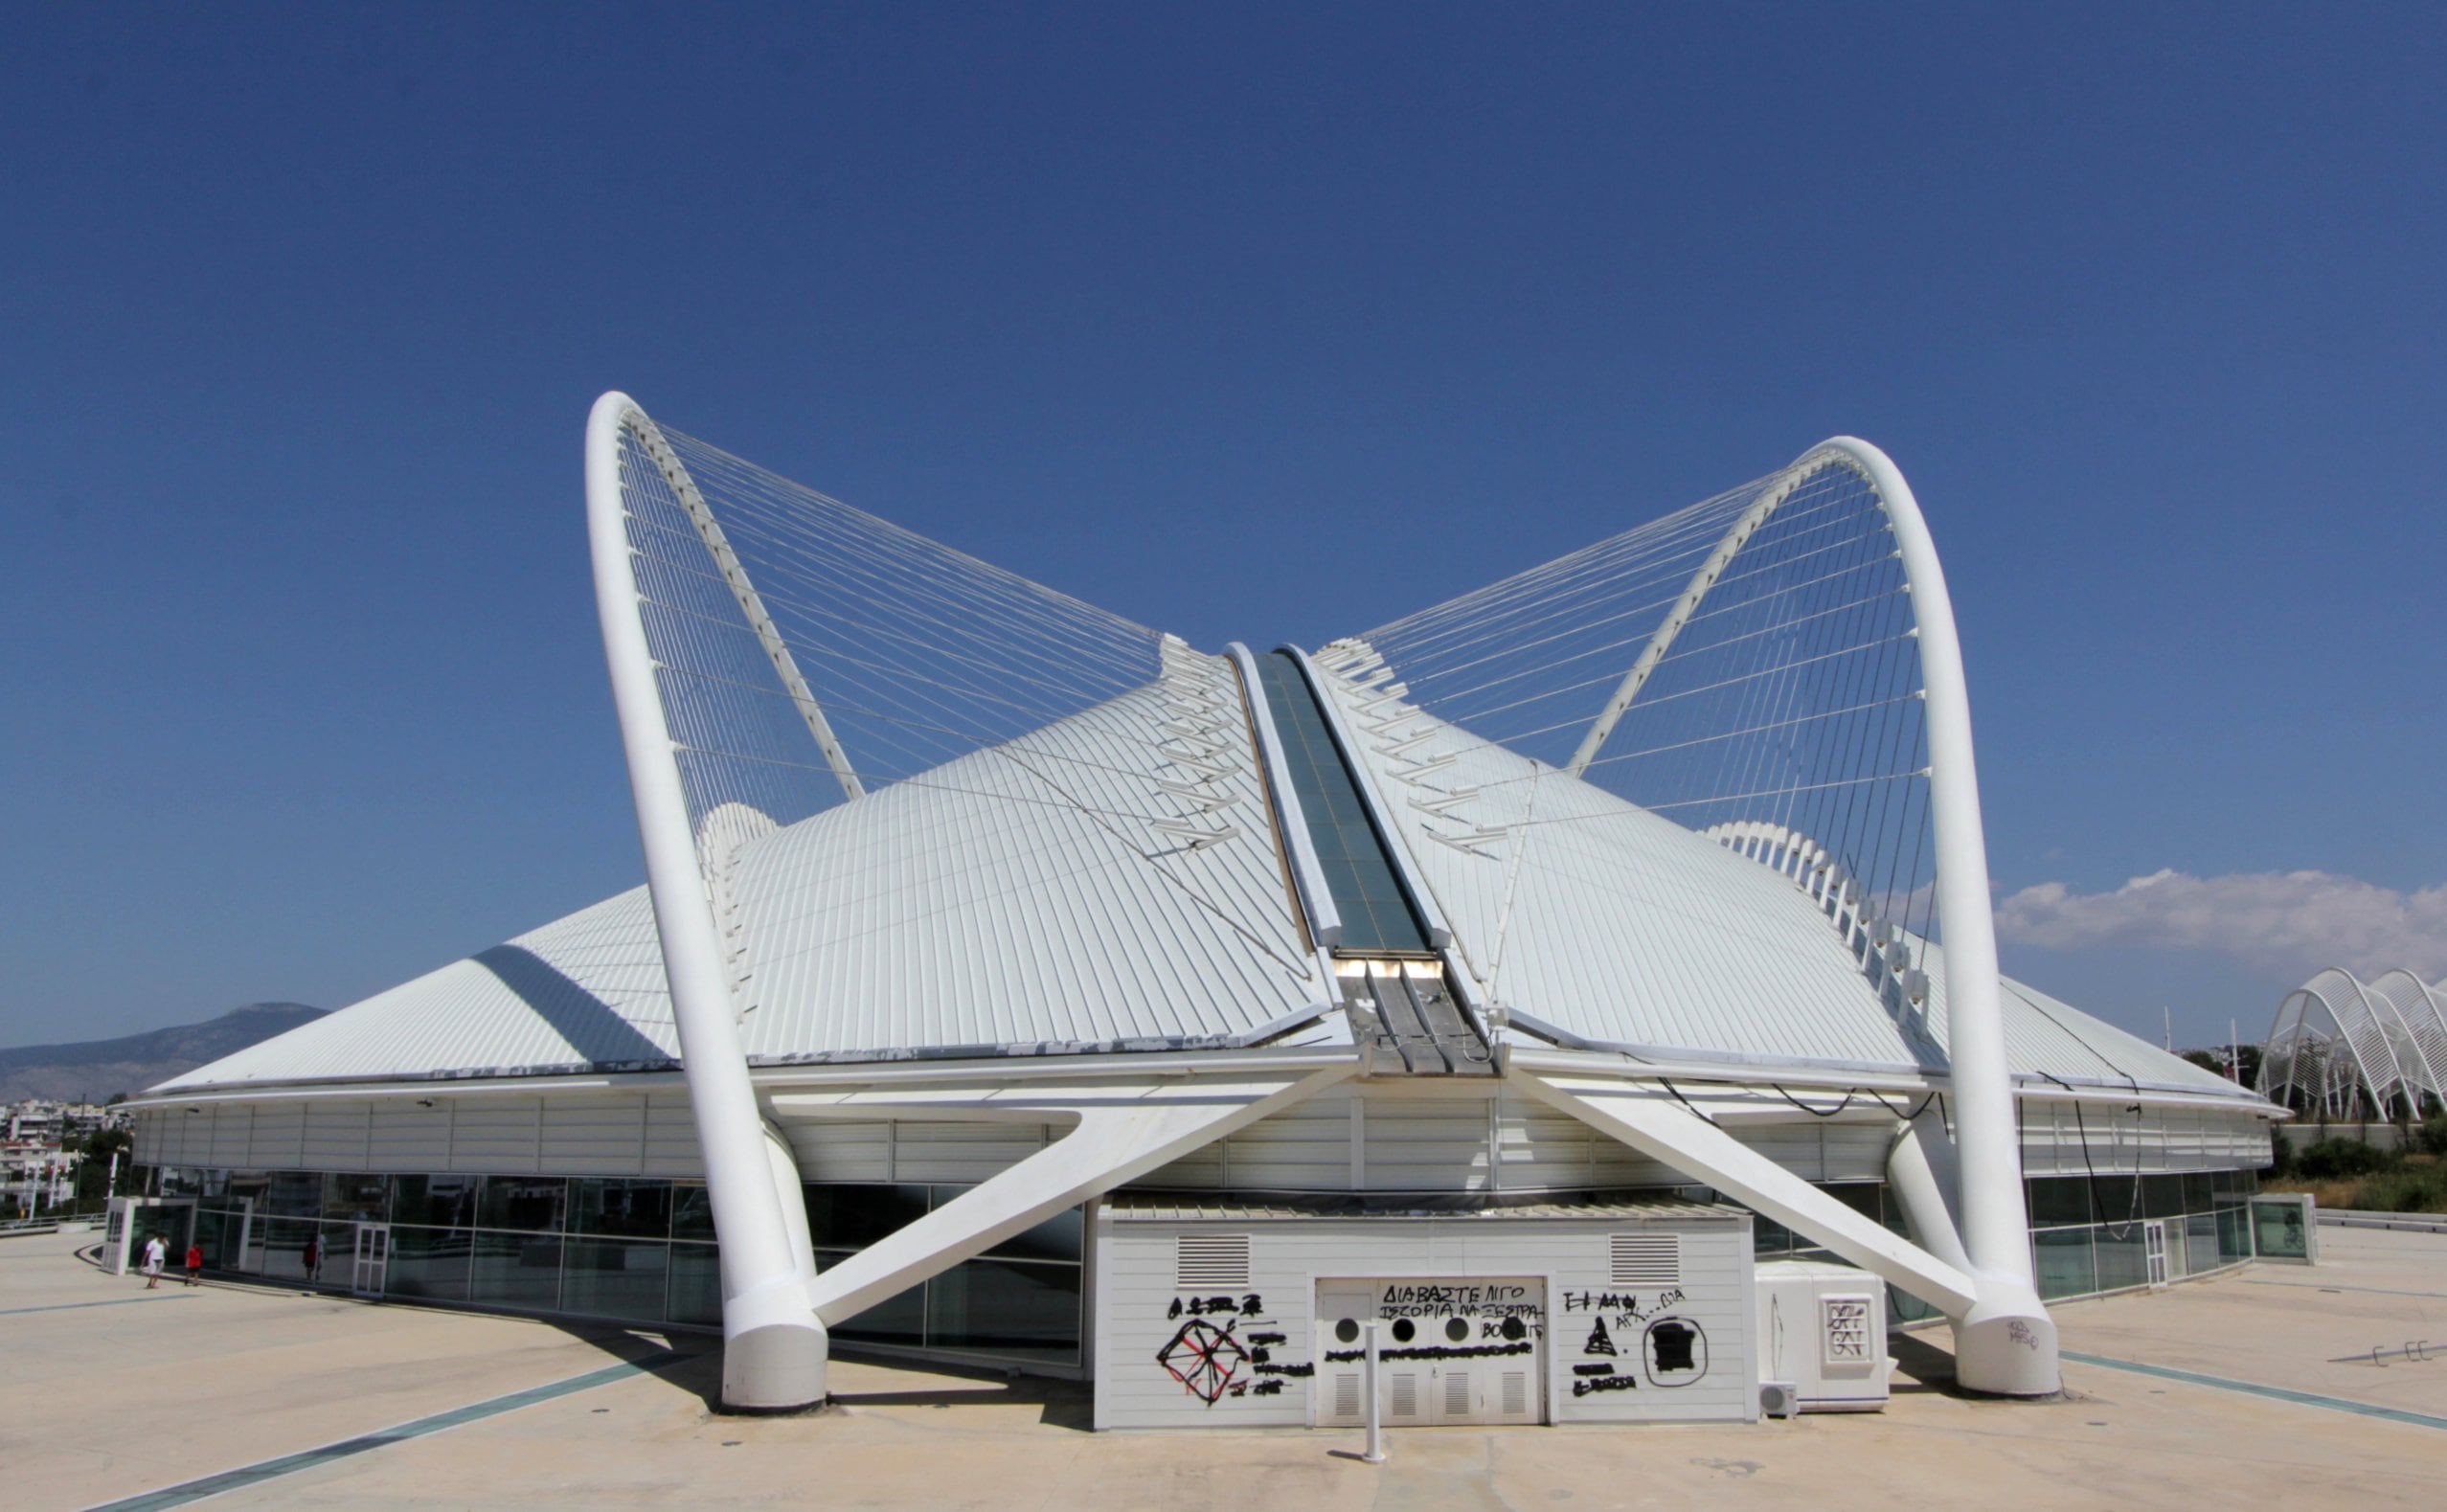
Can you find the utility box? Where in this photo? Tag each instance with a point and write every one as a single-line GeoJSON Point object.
{"type": "Point", "coordinates": [1822, 1334]}
{"type": "Point", "coordinates": [1214, 1312]}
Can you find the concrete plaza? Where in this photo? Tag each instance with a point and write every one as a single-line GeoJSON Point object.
{"type": "Point", "coordinates": [116, 1395]}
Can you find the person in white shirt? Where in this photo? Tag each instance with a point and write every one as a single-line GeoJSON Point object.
{"type": "Point", "coordinates": [155, 1251]}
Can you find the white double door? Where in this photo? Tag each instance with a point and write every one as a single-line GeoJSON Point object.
{"type": "Point", "coordinates": [1449, 1353]}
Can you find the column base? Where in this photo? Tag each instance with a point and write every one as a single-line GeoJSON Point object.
{"type": "Point", "coordinates": [776, 1362]}
{"type": "Point", "coordinates": [2007, 1346]}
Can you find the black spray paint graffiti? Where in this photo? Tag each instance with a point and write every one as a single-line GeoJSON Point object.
{"type": "Point", "coordinates": [1599, 1342]}
{"type": "Point", "coordinates": [1431, 1352]}
{"type": "Point", "coordinates": [1676, 1350]}
{"type": "Point", "coordinates": [1210, 1360]}
{"type": "Point", "coordinates": [1586, 1384]}
{"type": "Point", "coordinates": [1205, 1359]}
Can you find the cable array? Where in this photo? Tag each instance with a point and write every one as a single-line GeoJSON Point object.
{"type": "Point", "coordinates": [808, 651]}
{"type": "Point", "coordinates": [1747, 663]}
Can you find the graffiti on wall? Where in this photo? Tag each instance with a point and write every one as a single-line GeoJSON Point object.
{"type": "Point", "coordinates": [1227, 1347]}
{"type": "Point", "coordinates": [1628, 1329]}
{"type": "Point", "coordinates": [1448, 1321]}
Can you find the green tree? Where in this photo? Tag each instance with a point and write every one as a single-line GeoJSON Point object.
{"type": "Point", "coordinates": [93, 1170]}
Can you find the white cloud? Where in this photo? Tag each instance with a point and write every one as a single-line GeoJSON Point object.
{"type": "Point", "coordinates": [2287, 924]}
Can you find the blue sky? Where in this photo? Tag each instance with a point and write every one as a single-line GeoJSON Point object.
{"type": "Point", "coordinates": [1241, 321]}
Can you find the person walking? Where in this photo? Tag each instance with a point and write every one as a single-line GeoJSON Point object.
{"type": "Point", "coordinates": [313, 1259]}
{"type": "Point", "coordinates": [194, 1263]}
{"type": "Point", "coordinates": [156, 1252]}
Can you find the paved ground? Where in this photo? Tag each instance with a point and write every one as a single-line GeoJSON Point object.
{"type": "Point", "coordinates": [112, 1391]}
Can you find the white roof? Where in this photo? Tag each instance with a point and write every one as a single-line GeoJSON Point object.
{"type": "Point", "coordinates": [1019, 898]}
{"type": "Point", "coordinates": [1621, 928]}
{"type": "Point", "coordinates": [1043, 896]}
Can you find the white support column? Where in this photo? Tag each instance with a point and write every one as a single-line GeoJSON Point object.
{"type": "Point", "coordinates": [774, 1351]}
{"type": "Point", "coordinates": [2005, 1345]}
{"type": "Point", "coordinates": [1923, 1174]}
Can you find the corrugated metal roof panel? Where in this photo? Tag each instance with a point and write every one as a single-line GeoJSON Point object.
{"type": "Point", "coordinates": [1027, 896]}
{"type": "Point", "coordinates": [585, 991]}
{"type": "Point", "coordinates": [1024, 894]}
{"type": "Point", "coordinates": [1606, 921]}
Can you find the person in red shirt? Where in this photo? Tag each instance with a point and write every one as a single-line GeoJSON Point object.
{"type": "Point", "coordinates": [194, 1263]}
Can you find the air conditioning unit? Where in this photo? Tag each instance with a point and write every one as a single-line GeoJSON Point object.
{"type": "Point", "coordinates": [1823, 1328]}
{"type": "Point", "coordinates": [1778, 1399]}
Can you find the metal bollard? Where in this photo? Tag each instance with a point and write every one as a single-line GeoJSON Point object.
{"type": "Point", "coordinates": [1375, 1454]}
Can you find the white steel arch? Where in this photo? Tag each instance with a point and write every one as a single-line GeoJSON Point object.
{"type": "Point", "coordinates": [2387, 1030]}
{"type": "Point", "coordinates": [2416, 1006]}
{"type": "Point", "coordinates": [775, 1349]}
{"type": "Point", "coordinates": [2006, 1342]}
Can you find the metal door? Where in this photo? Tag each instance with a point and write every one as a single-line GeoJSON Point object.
{"type": "Point", "coordinates": [373, 1259]}
{"type": "Point", "coordinates": [1450, 1352]}
{"type": "Point", "coordinates": [2154, 1251]}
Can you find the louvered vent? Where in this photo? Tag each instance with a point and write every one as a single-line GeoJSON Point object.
{"type": "Point", "coordinates": [1456, 1394]}
{"type": "Point", "coordinates": [1648, 1259]}
{"type": "Point", "coordinates": [1516, 1392]}
{"type": "Point", "coordinates": [1205, 1262]}
{"type": "Point", "coordinates": [1406, 1395]}
{"type": "Point", "coordinates": [1347, 1396]}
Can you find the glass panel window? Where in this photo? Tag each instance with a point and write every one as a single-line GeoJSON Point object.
{"type": "Point", "coordinates": [294, 1194]}
{"type": "Point", "coordinates": [853, 1217]}
{"type": "Point", "coordinates": [2122, 1262]}
{"type": "Point", "coordinates": [696, 1285]}
{"type": "Point", "coordinates": [692, 1211]}
{"type": "Point", "coordinates": [2200, 1191]}
{"type": "Point", "coordinates": [2065, 1264]}
{"type": "Point", "coordinates": [516, 1270]}
{"type": "Point", "coordinates": [2200, 1242]}
{"type": "Point", "coordinates": [2115, 1199]}
{"type": "Point", "coordinates": [614, 1277]}
{"type": "Point", "coordinates": [2056, 1200]}
{"type": "Point", "coordinates": [358, 1199]}
{"type": "Point", "coordinates": [1006, 1307]}
{"type": "Point", "coordinates": [2233, 1234]}
{"type": "Point", "coordinates": [434, 1202]}
{"type": "Point", "coordinates": [532, 1203]}
{"type": "Point", "coordinates": [895, 1321]}
{"type": "Point", "coordinates": [2162, 1196]}
{"type": "Point", "coordinates": [636, 1208]}
{"type": "Point", "coordinates": [429, 1262]}
{"type": "Point", "coordinates": [286, 1246]}
{"type": "Point", "coordinates": [2278, 1231]}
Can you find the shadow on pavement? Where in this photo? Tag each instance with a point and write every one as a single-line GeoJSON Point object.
{"type": "Point", "coordinates": [1060, 1404]}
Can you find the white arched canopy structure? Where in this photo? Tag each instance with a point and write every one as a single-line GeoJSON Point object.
{"type": "Point", "coordinates": [2342, 1047]}
{"type": "Point", "coordinates": [774, 1354]}
{"type": "Point", "coordinates": [1819, 593]}
{"type": "Point", "coordinates": [2005, 1343]}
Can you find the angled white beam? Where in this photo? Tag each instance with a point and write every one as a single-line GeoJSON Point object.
{"type": "Point", "coordinates": [1769, 501]}
{"type": "Point", "coordinates": [726, 561]}
{"type": "Point", "coordinates": [774, 1351]}
{"type": "Point", "coordinates": [1113, 1143]}
{"type": "Point", "coordinates": [1921, 1171]}
{"type": "Point", "coordinates": [1651, 1122]}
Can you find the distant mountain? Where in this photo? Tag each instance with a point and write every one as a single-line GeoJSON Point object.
{"type": "Point", "coordinates": [93, 1071]}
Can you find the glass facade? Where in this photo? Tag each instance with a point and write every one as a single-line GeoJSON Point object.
{"type": "Point", "coordinates": [2090, 1233]}
{"type": "Point", "coordinates": [2087, 1235]}
{"type": "Point", "coordinates": [639, 1251]}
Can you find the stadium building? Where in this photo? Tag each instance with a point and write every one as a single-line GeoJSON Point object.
{"type": "Point", "coordinates": [1523, 987]}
